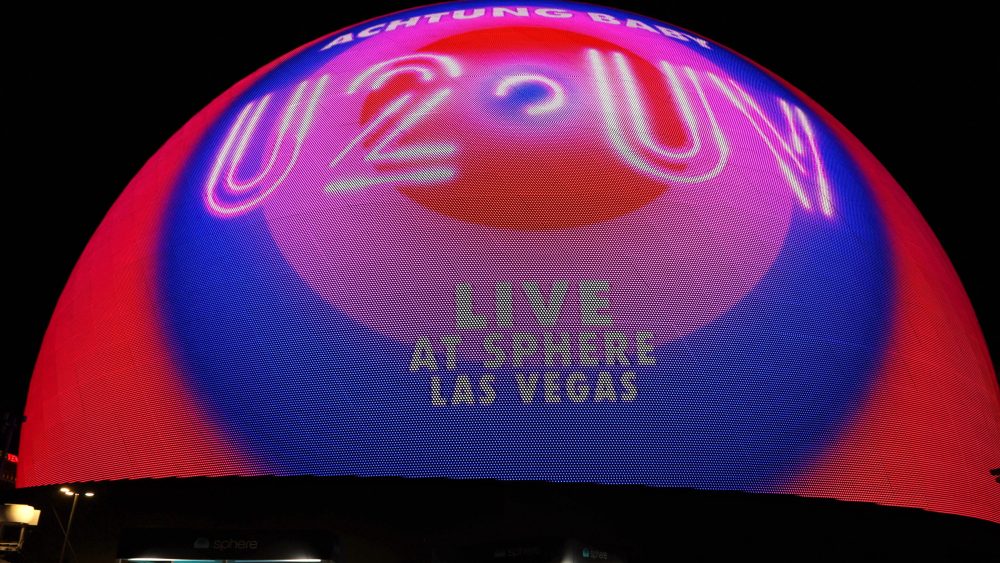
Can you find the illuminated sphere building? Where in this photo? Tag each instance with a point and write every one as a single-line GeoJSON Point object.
{"type": "Point", "coordinates": [554, 243]}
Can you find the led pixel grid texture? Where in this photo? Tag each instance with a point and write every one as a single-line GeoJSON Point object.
{"type": "Point", "coordinates": [549, 241]}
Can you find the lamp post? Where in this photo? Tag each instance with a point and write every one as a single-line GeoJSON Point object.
{"type": "Point", "coordinates": [72, 511]}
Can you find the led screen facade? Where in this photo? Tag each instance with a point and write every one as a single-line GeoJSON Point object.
{"type": "Point", "coordinates": [536, 242]}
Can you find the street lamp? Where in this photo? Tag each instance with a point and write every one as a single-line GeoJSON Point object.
{"type": "Point", "coordinates": [72, 511]}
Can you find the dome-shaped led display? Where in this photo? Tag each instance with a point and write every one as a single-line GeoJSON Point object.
{"type": "Point", "coordinates": [534, 242]}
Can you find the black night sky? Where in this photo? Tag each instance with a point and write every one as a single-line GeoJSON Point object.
{"type": "Point", "coordinates": [90, 99]}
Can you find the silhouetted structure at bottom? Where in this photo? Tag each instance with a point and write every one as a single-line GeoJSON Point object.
{"type": "Point", "coordinates": [390, 520]}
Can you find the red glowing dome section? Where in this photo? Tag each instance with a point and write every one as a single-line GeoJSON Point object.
{"type": "Point", "coordinates": [525, 194]}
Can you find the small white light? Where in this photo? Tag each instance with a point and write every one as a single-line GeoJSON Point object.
{"type": "Point", "coordinates": [64, 490]}
{"type": "Point", "coordinates": [88, 494]}
{"type": "Point", "coordinates": [68, 492]}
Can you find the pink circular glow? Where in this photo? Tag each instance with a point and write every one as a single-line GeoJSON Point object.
{"type": "Point", "coordinates": [390, 258]}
